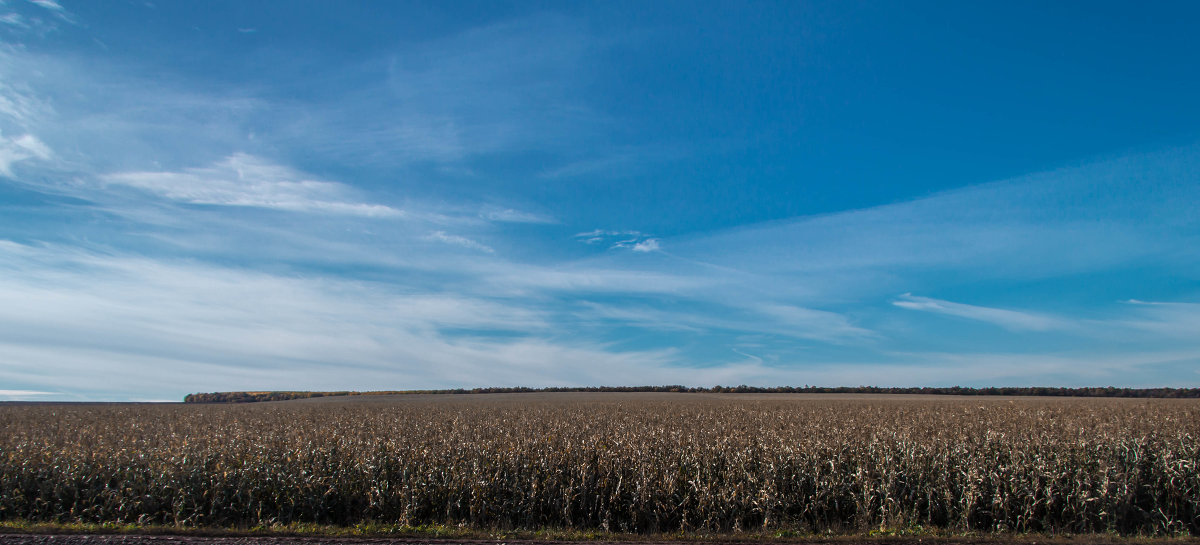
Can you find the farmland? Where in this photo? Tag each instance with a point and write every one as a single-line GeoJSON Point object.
{"type": "Point", "coordinates": [635, 462]}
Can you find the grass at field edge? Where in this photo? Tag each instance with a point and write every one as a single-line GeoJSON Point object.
{"type": "Point", "coordinates": [454, 533]}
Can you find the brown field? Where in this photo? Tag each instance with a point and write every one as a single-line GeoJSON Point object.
{"type": "Point", "coordinates": [622, 462]}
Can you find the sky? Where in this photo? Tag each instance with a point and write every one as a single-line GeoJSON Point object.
{"type": "Point", "coordinates": [310, 195]}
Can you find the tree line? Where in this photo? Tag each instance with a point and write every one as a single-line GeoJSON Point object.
{"type": "Point", "coordinates": [1044, 391]}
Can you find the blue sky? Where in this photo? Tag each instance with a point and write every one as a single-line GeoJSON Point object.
{"type": "Point", "coordinates": [205, 196]}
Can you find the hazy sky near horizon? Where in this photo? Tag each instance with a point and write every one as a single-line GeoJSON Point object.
{"type": "Point", "coordinates": [231, 195]}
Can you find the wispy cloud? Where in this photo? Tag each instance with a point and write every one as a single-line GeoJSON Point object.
{"type": "Point", "coordinates": [480, 92]}
{"type": "Point", "coordinates": [21, 148]}
{"type": "Point", "coordinates": [632, 240]}
{"type": "Point", "coordinates": [523, 279]}
{"type": "Point", "coordinates": [13, 19]}
{"type": "Point", "coordinates": [152, 321]}
{"type": "Point", "coordinates": [1008, 319]}
{"type": "Point", "coordinates": [752, 318]}
{"type": "Point", "coordinates": [645, 246]}
{"type": "Point", "coordinates": [51, 5]}
{"type": "Point", "coordinates": [1179, 320]}
{"type": "Point", "coordinates": [18, 395]}
{"type": "Point", "coordinates": [650, 318]}
{"type": "Point", "coordinates": [456, 240]}
{"type": "Point", "coordinates": [141, 320]}
{"type": "Point", "coordinates": [29, 20]}
{"type": "Point", "coordinates": [1041, 226]}
{"type": "Point", "coordinates": [128, 122]}
{"type": "Point", "coordinates": [589, 166]}
{"type": "Point", "coordinates": [816, 324]}
{"type": "Point", "coordinates": [1139, 368]}
{"type": "Point", "coordinates": [20, 108]}
{"type": "Point", "coordinates": [245, 180]}
{"type": "Point", "coordinates": [509, 215]}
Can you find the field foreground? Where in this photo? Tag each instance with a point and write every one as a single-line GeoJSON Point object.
{"type": "Point", "coordinates": [637, 463]}
{"type": "Point", "coordinates": [84, 539]}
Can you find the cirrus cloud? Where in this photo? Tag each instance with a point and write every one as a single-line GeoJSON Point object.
{"type": "Point", "coordinates": [246, 180]}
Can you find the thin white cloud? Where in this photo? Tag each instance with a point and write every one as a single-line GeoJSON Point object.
{"type": "Point", "coordinates": [520, 279]}
{"type": "Point", "coordinates": [650, 318]}
{"type": "Point", "coordinates": [1080, 369]}
{"type": "Point", "coordinates": [1180, 320]}
{"type": "Point", "coordinates": [20, 107]}
{"type": "Point", "coordinates": [1009, 319]}
{"type": "Point", "coordinates": [816, 324]}
{"type": "Point", "coordinates": [95, 317]}
{"type": "Point", "coordinates": [1136, 368]}
{"type": "Point", "coordinates": [189, 318]}
{"type": "Point", "coordinates": [245, 180]}
{"type": "Point", "coordinates": [13, 19]}
{"type": "Point", "coordinates": [623, 161]}
{"type": "Point", "coordinates": [751, 358]}
{"type": "Point", "coordinates": [33, 146]}
{"type": "Point", "coordinates": [20, 394]}
{"type": "Point", "coordinates": [21, 148]}
{"type": "Point", "coordinates": [648, 245]}
{"type": "Point", "coordinates": [1045, 225]}
{"type": "Point", "coordinates": [765, 318]}
{"type": "Point", "coordinates": [73, 320]}
{"type": "Point", "coordinates": [509, 215]}
{"type": "Point", "coordinates": [486, 90]}
{"type": "Point", "coordinates": [461, 241]}
{"type": "Point", "coordinates": [591, 236]}
{"type": "Point", "coordinates": [42, 26]}
{"type": "Point", "coordinates": [636, 241]}
{"type": "Point", "coordinates": [605, 165]}
{"type": "Point", "coordinates": [51, 5]}
{"type": "Point", "coordinates": [100, 116]}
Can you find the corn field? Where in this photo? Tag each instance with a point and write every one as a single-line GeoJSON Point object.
{"type": "Point", "coordinates": [620, 462]}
